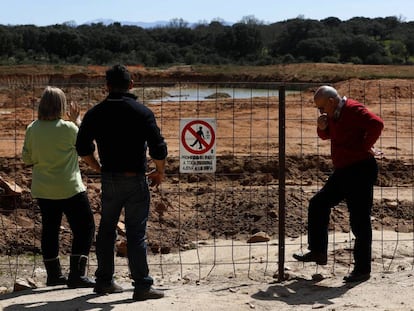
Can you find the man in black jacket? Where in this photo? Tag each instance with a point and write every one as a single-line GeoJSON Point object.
{"type": "Point", "coordinates": [123, 129]}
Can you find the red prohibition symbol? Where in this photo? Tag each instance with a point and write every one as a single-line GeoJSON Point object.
{"type": "Point", "coordinates": [199, 139]}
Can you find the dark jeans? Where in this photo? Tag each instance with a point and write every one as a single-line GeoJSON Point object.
{"type": "Point", "coordinates": [355, 185]}
{"type": "Point", "coordinates": [80, 217]}
{"type": "Point", "coordinates": [132, 194]}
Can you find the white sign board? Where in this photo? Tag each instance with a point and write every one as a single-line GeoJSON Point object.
{"type": "Point", "coordinates": [198, 145]}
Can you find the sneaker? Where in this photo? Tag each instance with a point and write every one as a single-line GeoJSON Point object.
{"type": "Point", "coordinates": [319, 258]}
{"type": "Point", "coordinates": [356, 276]}
{"type": "Point", "coordinates": [108, 289]}
{"type": "Point", "coordinates": [150, 293]}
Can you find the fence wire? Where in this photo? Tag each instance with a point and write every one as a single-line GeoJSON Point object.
{"type": "Point", "coordinates": [215, 216]}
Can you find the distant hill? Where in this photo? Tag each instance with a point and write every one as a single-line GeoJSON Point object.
{"type": "Point", "coordinates": [108, 21]}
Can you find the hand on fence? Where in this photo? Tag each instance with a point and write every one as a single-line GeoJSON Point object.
{"type": "Point", "coordinates": [376, 152]}
{"type": "Point", "coordinates": [155, 178]}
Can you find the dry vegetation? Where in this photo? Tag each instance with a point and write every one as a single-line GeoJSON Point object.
{"type": "Point", "coordinates": [307, 72]}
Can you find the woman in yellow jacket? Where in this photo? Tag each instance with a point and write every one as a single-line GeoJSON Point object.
{"type": "Point", "coordinates": [49, 146]}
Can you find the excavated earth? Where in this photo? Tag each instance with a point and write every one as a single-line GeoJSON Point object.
{"type": "Point", "coordinates": [241, 198]}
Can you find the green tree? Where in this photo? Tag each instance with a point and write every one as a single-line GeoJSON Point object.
{"type": "Point", "coordinates": [316, 48]}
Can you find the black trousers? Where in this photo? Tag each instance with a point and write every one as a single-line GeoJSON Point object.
{"type": "Point", "coordinates": [355, 185]}
{"type": "Point", "coordinates": [80, 218]}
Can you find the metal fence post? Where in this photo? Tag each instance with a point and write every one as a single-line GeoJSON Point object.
{"type": "Point", "coordinates": [282, 197]}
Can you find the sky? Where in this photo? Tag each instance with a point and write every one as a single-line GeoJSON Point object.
{"type": "Point", "coordinates": [50, 12]}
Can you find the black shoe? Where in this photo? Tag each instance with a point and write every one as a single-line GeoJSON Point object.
{"type": "Point", "coordinates": [107, 289]}
{"type": "Point", "coordinates": [54, 272]}
{"type": "Point", "coordinates": [77, 276]}
{"type": "Point", "coordinates": [80, 282]}
{"type": "Point", "coordinates": [150, 293]}
{"type": "Point", "coordinates": [356, 276]}
{"type": "Point", "coordinates": [319, 258]}
{"type": "Point", "coordinates": [57, 280]}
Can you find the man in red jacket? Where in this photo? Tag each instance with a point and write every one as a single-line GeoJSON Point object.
{"type": "Point", "coordinates": [353, 131]}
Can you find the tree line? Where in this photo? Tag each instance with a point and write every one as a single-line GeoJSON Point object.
{"type": "Point", "coordinates": [358, 40]}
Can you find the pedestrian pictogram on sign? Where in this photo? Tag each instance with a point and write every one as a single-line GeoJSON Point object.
{"type": "Point", "coordinates": [197, 145]}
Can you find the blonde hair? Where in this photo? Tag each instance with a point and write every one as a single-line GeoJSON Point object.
{"type": "Point", "coordinates": [52, 105]}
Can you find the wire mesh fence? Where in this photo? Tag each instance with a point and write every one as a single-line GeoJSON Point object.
{"type": "Point", "coordinates": [215, 217]}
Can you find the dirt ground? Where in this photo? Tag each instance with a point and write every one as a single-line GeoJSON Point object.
{"type": "Point", "coordinates": [249, 285]}
{"type": "Point", "coordinates": [241, 198]}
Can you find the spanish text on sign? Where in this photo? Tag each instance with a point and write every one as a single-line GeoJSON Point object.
{"type": "Point", "coordinates": [197, 145]}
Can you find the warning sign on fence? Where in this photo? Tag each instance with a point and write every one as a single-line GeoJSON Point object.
{"type": "Point", "coordinates": [198, 145]}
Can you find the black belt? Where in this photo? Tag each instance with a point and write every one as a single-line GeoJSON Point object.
{"type": "Point", "coordinates": [127, 174]}
{"type": "Point", "coordinates": [131, 174]}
